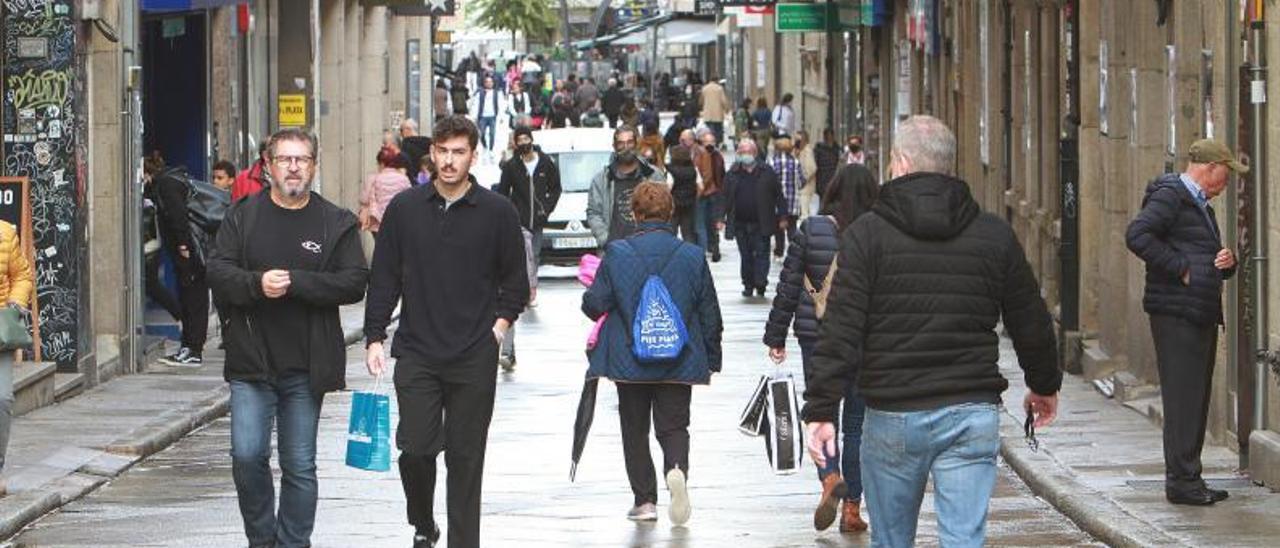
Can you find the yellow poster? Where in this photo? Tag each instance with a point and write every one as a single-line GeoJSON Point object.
{"type": "Point", "coordinates": [293, 110]}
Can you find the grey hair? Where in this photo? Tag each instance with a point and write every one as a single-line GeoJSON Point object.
{"type": "Point", "coordinates": [702, 132]}
{"type": "Point", "coordinates": [747, 141]}
{"type": "Point", "coordinates": [294, 134]}
{"type": "Point", "coordinates": [927, 143]}
{"type": "Point", "coordinates": [409, 124]}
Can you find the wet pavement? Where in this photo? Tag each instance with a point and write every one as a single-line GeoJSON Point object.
{"type": "Point", "coordinates": [184, 496]}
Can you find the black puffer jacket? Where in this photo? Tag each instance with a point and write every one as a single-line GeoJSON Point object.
{"type": "Point", "coordinates": [809, 255]}
{"type": "Point", "coordinates": [1172, 236]}
{"type": "Point", "coordinates": [912, 316]}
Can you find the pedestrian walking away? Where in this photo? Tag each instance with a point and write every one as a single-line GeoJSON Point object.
{"type": "Point", "coordinates": [452, 254]}
{"type": "Point", "coordinates": [715, 106]}
{"type": "Point", "coordinates": [413, 147]}
{"type": "Point", "coordinates": [686, 184]}
{"type": "Point", "coordinates": [783, 119]}
{"type": "Point", "coordinates": [609, 212]}
{"type": "Point", "coordinates": [755, 207]}
{"type": "Point", "coordinates": [187, 246]}
{"type": "Point", "coordinates": [802, 284]}
{"type": "Point", "coordinates": [531, 180]}
{"type": "Point", "coordinates": [17, 282]}
{"type": "Point", "coordinates": [932, 388]}
{"type": "Point", "coordinates": [659, 389]}
{"type": "Point", "coordinates": [1176, 234]}
{"type": "Point", "coordinates": [285, 260]}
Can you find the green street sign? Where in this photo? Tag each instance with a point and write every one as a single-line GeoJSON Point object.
{"type": "Point", "coordinates": [802, 17]}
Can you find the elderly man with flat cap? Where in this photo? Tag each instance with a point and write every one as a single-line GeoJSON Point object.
{"type": "Point", "coordinates": [1176, 234]}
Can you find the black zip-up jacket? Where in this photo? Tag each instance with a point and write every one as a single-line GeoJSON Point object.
{"type": "Point", "coordinates": [1172, 236]}
{"type": "Point", "coordinates": [169, 192]}
{"type": "Point", "coordinates": [544, 189]}
{"type": "Point", "coordinates": [809, 255]}
{"type": "Point", "coordinates": [922, 283]}
{"type": "Point", "coordinates": [764, 182]}
{"type": "Point", "coordinates": [341, 280]}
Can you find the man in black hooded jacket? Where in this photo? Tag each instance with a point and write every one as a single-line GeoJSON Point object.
{"type": "Point", "coordinates": [922, 283]}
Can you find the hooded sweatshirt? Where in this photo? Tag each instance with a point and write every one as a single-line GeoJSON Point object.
{"type": "Point", "coordinates": [922, 283]}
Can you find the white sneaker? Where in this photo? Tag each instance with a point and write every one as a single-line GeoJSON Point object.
{"type": "Point", "coordinates": [680, 509]}
{"type": "Point", "coordinates": [645, 512]}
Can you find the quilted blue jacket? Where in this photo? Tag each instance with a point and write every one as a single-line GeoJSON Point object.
{"type": "Point", "coordinates": [616, 291]}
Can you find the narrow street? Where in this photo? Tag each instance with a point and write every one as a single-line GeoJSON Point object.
{"type": "Point", "coordinates": [184, 497]}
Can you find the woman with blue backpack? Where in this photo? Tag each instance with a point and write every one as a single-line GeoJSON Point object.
{"type": "Point", "coordinates": [662, 336]}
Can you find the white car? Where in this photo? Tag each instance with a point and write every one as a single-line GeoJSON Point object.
{"type": "Point", "coordinates": [580, 153]}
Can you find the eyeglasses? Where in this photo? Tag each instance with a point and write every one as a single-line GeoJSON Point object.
{"type": "Point", "coordinates": [286, 161]}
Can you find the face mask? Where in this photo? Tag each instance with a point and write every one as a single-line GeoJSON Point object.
{"type": "Point", "coordinates": [746, 160]}
{"type": "Point", "coordinates": [626, 156]}
{"type": "Point", "coordinates": [711, 148]}
{"type": "Point", "coordinates": [524, 149]}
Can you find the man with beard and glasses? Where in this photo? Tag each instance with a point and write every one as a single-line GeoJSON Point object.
{"type": "Point", "coordinates": [285, 260]}
{"type": "Point", "coordinates": [454, 252]}
{"type": "Point", "coordinates": [609, 200]}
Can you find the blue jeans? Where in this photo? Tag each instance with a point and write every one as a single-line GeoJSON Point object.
{"type": "Point", "coordinates": [850, 425]}
{"type": "Point", "coordinates": [957, 445]}
{"type": "Point", "coordinates": [705, 225]}
{"type": "Point", "coordinates": [753, 246]}
{"type": "Point", "coordinates": [295, 410]}
{"type": "Point", "coordinates": [488, 127]}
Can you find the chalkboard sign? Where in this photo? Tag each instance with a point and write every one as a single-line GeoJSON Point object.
{"type": "Point", "coordinates": [15, 209]}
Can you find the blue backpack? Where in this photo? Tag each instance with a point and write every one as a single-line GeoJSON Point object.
{"type": "Point", "coordinates": [658, 333]}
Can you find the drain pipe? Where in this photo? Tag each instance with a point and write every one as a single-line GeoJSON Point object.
{"type": "Point", "coordinates": [1257, 157]}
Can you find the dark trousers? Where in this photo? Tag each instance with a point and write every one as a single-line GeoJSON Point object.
{"type": "Point", "coordinates": [685, 220]}
{"type": "Point", "coordinates": [446, 407]}
{"type": "Point", "coordinates": [782, 237]}
{"type": "Point", "coordinates": [669, 406]}
{"type": "Point", "coordinates": [193, 295]}
{"type": "Point", "coordinates": [1185, 355]}
{"type": "Point", "coordinates": [718, 129]}
{"type": "Point", "coordinates": [753, 246]}
{"type": "Point", "coordinates": [708, 236]}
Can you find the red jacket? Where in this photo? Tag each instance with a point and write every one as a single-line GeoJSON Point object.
{"type": "Point", "coordinates": [248, 182]}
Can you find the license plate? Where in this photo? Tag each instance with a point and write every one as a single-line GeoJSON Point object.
{"type": "Point", "coordinates": [573, 243]}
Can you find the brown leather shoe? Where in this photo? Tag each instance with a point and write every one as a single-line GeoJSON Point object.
{"type": "Point", "coordinates": [851, 517]}
{"type": "Point", "coordinates": [833, 491]}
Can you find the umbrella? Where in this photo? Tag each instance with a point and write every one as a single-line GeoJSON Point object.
{"type": "Point", "coordinates": [582, 424]}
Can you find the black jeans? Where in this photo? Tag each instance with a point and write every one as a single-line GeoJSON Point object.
{"type": "Point", "coordinates": [156, 291]}
{"type": "Point", "coordinates": [193, 295]}
{"type": "Point", "coordinates": [446, 407]}
{"type": "Point", "coordinates": [669, 406]}
{"type": "Point", "coordinates": [784, 237]}
{"type": "Point", "coordinates": [1185, 354]}
{"type": "Point", "coordinates": [685, 220]}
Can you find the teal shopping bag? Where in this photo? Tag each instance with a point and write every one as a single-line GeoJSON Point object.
{"type": "Point", "coordinates": [369, 432]}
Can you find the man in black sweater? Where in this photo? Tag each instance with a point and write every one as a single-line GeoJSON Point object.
{"type": "Point", "coordinates": [1176, 235]}
{"type": "Point", "coordinates": [454, 252]}
{"type": "Point", "coordinates": [922, 283]}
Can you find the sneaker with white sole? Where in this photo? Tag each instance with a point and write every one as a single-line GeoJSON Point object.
{"type": "Point", "coordinates": [644, 512]}
{"type": "Point", "coordinates": [184, 357]}
{"type": "Point", "coordinates": [680, 509]}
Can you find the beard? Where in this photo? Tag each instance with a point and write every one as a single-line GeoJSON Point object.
{"type": "Point", "coordinates": [295, 188]}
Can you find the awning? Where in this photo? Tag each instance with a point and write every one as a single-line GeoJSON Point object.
{"type": "Point", "coordinates": [690, 31]}
{"type": "Point", "coordinates": [163, 6]}
{"type": "Point", "coordinates": [621, 32]}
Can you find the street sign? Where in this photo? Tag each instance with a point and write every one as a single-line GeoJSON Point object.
{"type": "Point", "coordinates": [293, 110]}
{"type": "Point", "coordinates": [801, 18]}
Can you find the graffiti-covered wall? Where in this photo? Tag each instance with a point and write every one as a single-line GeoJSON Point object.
{"type": "Point", "coordinates": [44, 125]}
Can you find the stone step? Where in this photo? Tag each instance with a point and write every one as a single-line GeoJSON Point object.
{"type": "Point", "coordinates": [33, 386]}
{"type": "Point", "coordinates": [67, 385]}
